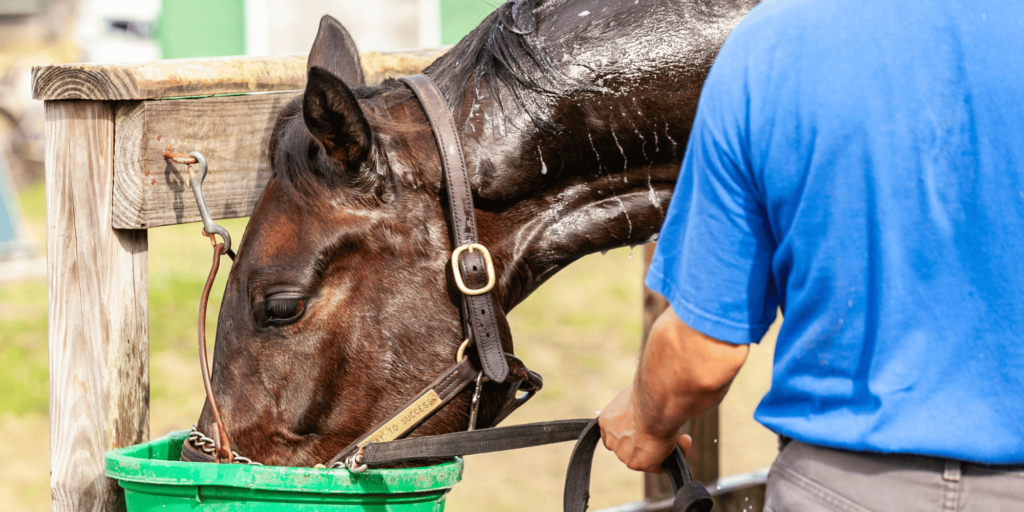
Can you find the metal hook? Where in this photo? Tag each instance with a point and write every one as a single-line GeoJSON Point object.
{"type": "Point", "coordinates": [474, 409]}
{"type": "Point", "coordinates": [209, 226]}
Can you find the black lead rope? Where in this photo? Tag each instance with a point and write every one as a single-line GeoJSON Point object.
{"type": "Point", "coordinates": [691, 496]}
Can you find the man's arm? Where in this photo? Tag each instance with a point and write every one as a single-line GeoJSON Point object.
{"type": "Point", "coordinates": [682, 374]}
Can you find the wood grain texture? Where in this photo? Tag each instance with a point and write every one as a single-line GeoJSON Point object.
{"type": "Point", "coordinates": [98, 312]}
{"type": "Point", "coordinates": [203, 77]}
{"type": "Point", "coordinates": [232, 132]}
{"type": "Point", "coordinates": [703, 457]}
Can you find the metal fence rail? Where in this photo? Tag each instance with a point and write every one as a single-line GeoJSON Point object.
{"type": "Point", "coordinates": [736, 493]}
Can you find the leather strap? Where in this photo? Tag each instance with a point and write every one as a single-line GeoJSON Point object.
{"type": "Point", "coordinates": [525, 384]}
{"type": "Point", "coordinates": [478, 314]}
{"type": "Point", "coordinates": [417, 410]}
{"type": "Point", "coordinates": [190, 453]}
{"type": "Point", "coordinates": [690, 495]}
{"type": "Point", "coordinates": [220, 436]}
{"type": "Point", "coordinates": [488, 440]}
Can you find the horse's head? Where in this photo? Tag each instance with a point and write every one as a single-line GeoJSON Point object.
{"type": "Point", "coordinates": [342, 306]}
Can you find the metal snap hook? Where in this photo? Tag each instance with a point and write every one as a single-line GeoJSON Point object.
{"type": "Point", "coordinates": [355, 462]}
{"type": "Point", "coordinates": [209, 226]}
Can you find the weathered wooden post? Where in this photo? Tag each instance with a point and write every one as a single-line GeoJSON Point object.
{"type": "Point", "coordinates": [98, 309]}
{"type": "Point", "coordinates": [106, 184]}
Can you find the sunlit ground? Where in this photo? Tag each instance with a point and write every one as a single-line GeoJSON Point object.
{"type": "Point", "coordinates": [580, 331]}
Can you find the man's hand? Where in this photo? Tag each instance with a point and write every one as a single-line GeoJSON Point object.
{"type": "Point", "coordinates": [622, 434]}
{"type": "Point", "coordinates": [682, 374]}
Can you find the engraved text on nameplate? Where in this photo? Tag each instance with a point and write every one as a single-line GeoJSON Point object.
{"type": "Point", "coordinates": [405, 420]}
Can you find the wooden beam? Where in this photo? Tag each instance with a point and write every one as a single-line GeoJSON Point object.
{"type": "Point", "coordinates": [98, 310]}
{"type": "Point", "coordinates": [703, 458]}
{"type": "Point", "coordinates": [203, 77]}
{"type": "Point", "coordinates": [232, 132]}
{"type": "Point", "coordinates": [379, 66]}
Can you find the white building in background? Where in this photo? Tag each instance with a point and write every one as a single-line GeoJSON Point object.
{"type": "Point", "coordinates": [289, 26]}
{"type": "Point", "coordinates": [117, 30]}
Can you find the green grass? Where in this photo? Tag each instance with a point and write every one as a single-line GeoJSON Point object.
{"type": "Point", "coordinates": [179, 259]}
{"type": "Point", "coordinates": [23, 382]}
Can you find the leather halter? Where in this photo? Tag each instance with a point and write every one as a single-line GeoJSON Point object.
{"type": "Point", "coordinates": [474, 275]}
{"type": "Point", "coordinates": [480, 324]}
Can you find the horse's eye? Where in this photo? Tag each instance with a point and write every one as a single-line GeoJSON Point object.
{"type": "Point", "coordinates": [283, 309]}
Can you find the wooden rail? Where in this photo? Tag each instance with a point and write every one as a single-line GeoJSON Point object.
{"type": "Point", "coordinates": [220, 117]}
{"type": "Point", "coordinates": [178, 78]}
{"type": "Point", "coordinates": [106, 183]}
{"type": "Point", "coordinates": [231, 131]}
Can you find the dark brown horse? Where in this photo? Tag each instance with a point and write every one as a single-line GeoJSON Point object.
{"type": "Point", "coordinates": [342, 305]}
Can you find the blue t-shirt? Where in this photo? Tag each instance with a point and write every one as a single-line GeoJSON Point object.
{"type": "Point", "coordinates": [861, 165]}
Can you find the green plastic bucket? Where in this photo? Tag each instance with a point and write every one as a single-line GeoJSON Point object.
{"type": "Point", "coordinates": [154, 479]}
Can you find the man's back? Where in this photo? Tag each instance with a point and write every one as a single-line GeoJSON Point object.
{"type": "Point", "coordinates": [867, 159]}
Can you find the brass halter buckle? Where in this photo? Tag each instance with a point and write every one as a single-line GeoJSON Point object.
{"type": "Point", "coordinates": [458, 274]}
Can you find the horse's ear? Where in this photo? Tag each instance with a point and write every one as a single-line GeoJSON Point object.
{"type": "Point", "coordinates": [334, 118]}
{"type": "Point", "coordinates": [335, 50]}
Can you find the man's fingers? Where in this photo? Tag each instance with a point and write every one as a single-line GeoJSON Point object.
{"type": "Point", "coordinates": [685, 442]}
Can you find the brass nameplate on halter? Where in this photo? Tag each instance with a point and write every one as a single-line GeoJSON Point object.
{"type": "Point", "coordinates": [403, 421]}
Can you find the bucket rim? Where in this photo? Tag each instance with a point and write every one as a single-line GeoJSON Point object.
{"type": "Point", "coordinates": [142, 463]}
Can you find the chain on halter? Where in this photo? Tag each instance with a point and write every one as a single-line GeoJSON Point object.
{"type": "Point", "coordinates": [209, 446]}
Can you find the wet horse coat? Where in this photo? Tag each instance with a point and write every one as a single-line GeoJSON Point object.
{"type": "Point", "coordinates": [342, 305]}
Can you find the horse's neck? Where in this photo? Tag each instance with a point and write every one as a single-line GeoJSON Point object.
{"type": "Point", "coordinates": [603, 178]}
{"type": "Point", "coordinates": [602, 181]}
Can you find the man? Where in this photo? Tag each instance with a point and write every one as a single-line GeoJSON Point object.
{"type": "Point", "coordinates": [860, 165]}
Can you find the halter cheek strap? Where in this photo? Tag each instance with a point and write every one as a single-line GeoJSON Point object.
{"type": "Point", "coordinates": [472, 265]}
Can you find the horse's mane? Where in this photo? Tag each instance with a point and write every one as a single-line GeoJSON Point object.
{"type": "Point", "coordinates": [503, 51]}
{"type": "Point", "coordinates": [502, 56]}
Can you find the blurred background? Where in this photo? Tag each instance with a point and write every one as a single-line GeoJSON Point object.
{"type": "Point", "coordinates": [581, 330]}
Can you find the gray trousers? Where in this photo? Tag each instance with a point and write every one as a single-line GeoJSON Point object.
{"type": "Point", "coordinates": [811, 478]}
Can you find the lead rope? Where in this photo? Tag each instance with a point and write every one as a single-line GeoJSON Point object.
{"type": "Point", "coordinates": [221, 440]}
{"type": "Point", "coordinates": [220, 433]}
{"type": "Point", "coordinates": [690, 495]}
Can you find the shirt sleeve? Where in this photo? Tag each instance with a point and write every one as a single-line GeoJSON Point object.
{"type": "Point", "coordinates": [714, 257]}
